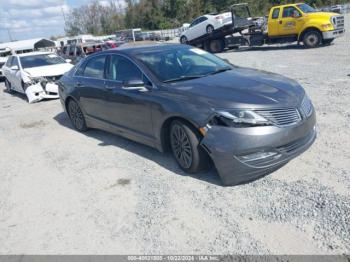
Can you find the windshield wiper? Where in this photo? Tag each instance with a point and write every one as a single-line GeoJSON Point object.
{"type": "Point", "coordinates": [182, 78]}
{"type": "Point", "coordinates": [220, 70]}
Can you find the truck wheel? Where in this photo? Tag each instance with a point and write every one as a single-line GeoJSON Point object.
{"type": "Point", "coordinates": [327, 41]}
{"type": "Point", "coordinates": [312, 39]}
{"type": "Point", "coordinates": [210, 29]}
{"type": "Point", "coordinates": [183, 40]}
{"type": "Point", "coordinates": [216, 46]}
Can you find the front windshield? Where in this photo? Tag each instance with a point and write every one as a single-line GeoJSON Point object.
{"type": "Point", "coordinates": [306, 8]}
{"type": "Point", "coordinates": [182, 64]}
{"type": "Point", "coordinates": [41, 60]}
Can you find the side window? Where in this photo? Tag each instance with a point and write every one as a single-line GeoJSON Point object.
{"type": "Point", "coordinates": [95, 67]}
{"type": "Point", "coordinates": [275, 13]}
{"type": "Point", "coordinates": [193, 23]}
{"type": "Point", "coordinates": [122, 69]}
{"type": "Point", "coordinates": [15, 61]}
{"type": "Point", "coordinates": [202, 19]}
{"type": "Point", "coordinates": [291, 11]}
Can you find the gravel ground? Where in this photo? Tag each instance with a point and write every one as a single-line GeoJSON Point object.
{"type": "Point", "coordinates": [63, 192]}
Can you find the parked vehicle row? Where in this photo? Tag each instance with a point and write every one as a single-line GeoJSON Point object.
{"type": "Point", "coordinates": [246, 122]}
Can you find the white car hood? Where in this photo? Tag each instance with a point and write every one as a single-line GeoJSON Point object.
{"type": "Point", "coordinates": [51, 70]}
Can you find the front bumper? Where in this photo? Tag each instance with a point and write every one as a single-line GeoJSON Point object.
{"type": "Point", "coordinates": [36, 92]}
{"type": "Point", "coordinates": [228, 146]}
{"type": "Point", "coordinates": [333, 34]}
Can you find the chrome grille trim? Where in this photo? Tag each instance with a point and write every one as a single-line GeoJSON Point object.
{"type": "Point", "coordinates": [281, 117]}
{"type": "Point", "coordinates": [339, 22]}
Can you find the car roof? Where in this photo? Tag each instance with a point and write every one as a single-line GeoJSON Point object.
{"type": "Point", "coordinates": [34, 53]}
{"type": "Point", "coordinates": [135, 48]}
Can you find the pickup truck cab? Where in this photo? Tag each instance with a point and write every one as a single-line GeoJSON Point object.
{"type": "Point", "coordinates": [305, 24]}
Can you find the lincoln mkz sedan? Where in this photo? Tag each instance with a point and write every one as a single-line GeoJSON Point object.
{"type": "Point", "coordinates": [248, 123]}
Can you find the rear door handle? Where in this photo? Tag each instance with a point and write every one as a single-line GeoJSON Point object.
{"type": "Point", "coordinates": [280, 22]}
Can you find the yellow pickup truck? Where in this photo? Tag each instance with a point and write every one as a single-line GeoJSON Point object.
{"type": "Point", "coordinates": [284, 24]}
{"type": "Point", "coordinates": [302, 23]}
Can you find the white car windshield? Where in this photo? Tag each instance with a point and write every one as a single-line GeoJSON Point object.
{"type": "Point", "coordinates": [182, 64]}
{"type": "Point", "coordinates": [41, 60]}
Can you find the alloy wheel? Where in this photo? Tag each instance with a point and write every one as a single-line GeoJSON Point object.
{"type": "Point", "coordinates": [76, 115]}
{"type": "Point", "coordinates": [181, 146]}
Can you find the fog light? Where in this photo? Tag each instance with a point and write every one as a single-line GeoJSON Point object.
{"type": "Point", "coordinates": [259, 156]}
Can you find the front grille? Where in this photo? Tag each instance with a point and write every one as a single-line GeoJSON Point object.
{"type": "Point", "coordinates": [338, 22]}
{"type": "Point", "coordinates": [306, 107]}
{"type": "Point", "coordinates": [282, 116]}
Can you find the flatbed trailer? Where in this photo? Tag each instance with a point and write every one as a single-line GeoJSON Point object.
{"type": "Point", "coordinates": [248, 31]}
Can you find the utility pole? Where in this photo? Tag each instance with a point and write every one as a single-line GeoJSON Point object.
{"type": "Point", "coordinates": [9, 33]}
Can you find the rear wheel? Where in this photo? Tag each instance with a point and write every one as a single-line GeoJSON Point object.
{"type": "Point", "coordinates": [183, 40]}
{"type": "Point", "coordinates": [76, 116]}
{"type": "Point", "coordinates": [185, 145]}
{"type": "Point", "coordinates": [312, 39]}
{"type": "Point", "coordinates": [8, 86]}
{"type": "Point", "coordinates": [210, 29]}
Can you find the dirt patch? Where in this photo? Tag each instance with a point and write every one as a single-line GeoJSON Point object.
{"type": "Point", "coordinates": [33, 124]}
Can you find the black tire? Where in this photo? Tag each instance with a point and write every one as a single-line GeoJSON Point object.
{"type": "Point", "coordinates": [312, 39]}
{"type": "Point", "coordinates": [183, 40]}
{"type": "Point", "coordinates": [185, 145]}
{"type": "Point", "coordinates": [8, 86]}
{"type": "Point", "coordinates": [210, 29]}
{"type": "Point", "coordinates": [76, 116]}
{"type": "Point", "coordinates": [327, 41]}
{"type": "Point", "coordinates": [216, 46]}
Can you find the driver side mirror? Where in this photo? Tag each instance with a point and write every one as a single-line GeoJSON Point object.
{"type": "Point", "coordinates": [15, 68]}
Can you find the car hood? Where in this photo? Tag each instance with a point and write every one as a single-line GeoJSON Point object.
{"type": "Point", "coordinates": [243, 88]}
{"type": "Point", "coordinates": [51, 70]}
{"type": "Point", "coordinates": [324, 15]}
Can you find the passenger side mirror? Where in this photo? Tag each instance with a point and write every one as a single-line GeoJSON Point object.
{"type": "Point", "coordinates": [136, 84]}
{"type": "Point", "coordinates": [15, 68]}
{"type": "Point", "coordinates": [68, 60]}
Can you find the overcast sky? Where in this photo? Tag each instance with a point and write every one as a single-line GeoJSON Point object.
{"type": "Point", "coordinates": [27, 19]}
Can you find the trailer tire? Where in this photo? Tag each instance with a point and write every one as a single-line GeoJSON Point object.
{"type": "Point", "coordinates": [216, 46]}
{"type": "Point", "coordinates": [312, 39]}
{"type": "Point", "coordinates": [183, 40]}
{"type": "Point", "coordinates": [210, 29]}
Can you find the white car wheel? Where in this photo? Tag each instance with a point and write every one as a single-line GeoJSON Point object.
{"type": "Point", "coordinates": [210, 29]}
{"type": "Point", "coordinates": [183, 40]}
{"type": "Point", "coordinates": [8, 86]}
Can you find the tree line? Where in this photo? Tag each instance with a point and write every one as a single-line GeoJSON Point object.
{"type": "Point", "coordinates": [97, 19]}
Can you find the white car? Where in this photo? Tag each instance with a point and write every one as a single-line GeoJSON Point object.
{"type": "Point", "coordinates": [205, 25]}
{"type": "Point", "coordinates": [34, 74]}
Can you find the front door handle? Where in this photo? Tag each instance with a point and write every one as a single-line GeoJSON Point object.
{"type": "Point", "coordinates": [280, 22]}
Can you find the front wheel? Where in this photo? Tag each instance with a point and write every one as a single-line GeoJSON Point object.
{"type": "Point", "coordinates": [8, 86]}
{"type": "Point", "coordinates": [186, 148]}
{"type": "Point", "coordinates": [312, 39]}
{"type": "Point", "coordinates": [76, 116]}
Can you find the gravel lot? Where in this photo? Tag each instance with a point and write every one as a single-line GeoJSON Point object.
{"type": "Point", "coordinates": [63, 192]}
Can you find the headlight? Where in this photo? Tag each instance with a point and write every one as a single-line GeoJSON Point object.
{"type": "Point", "coordinates": [238, 118]}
